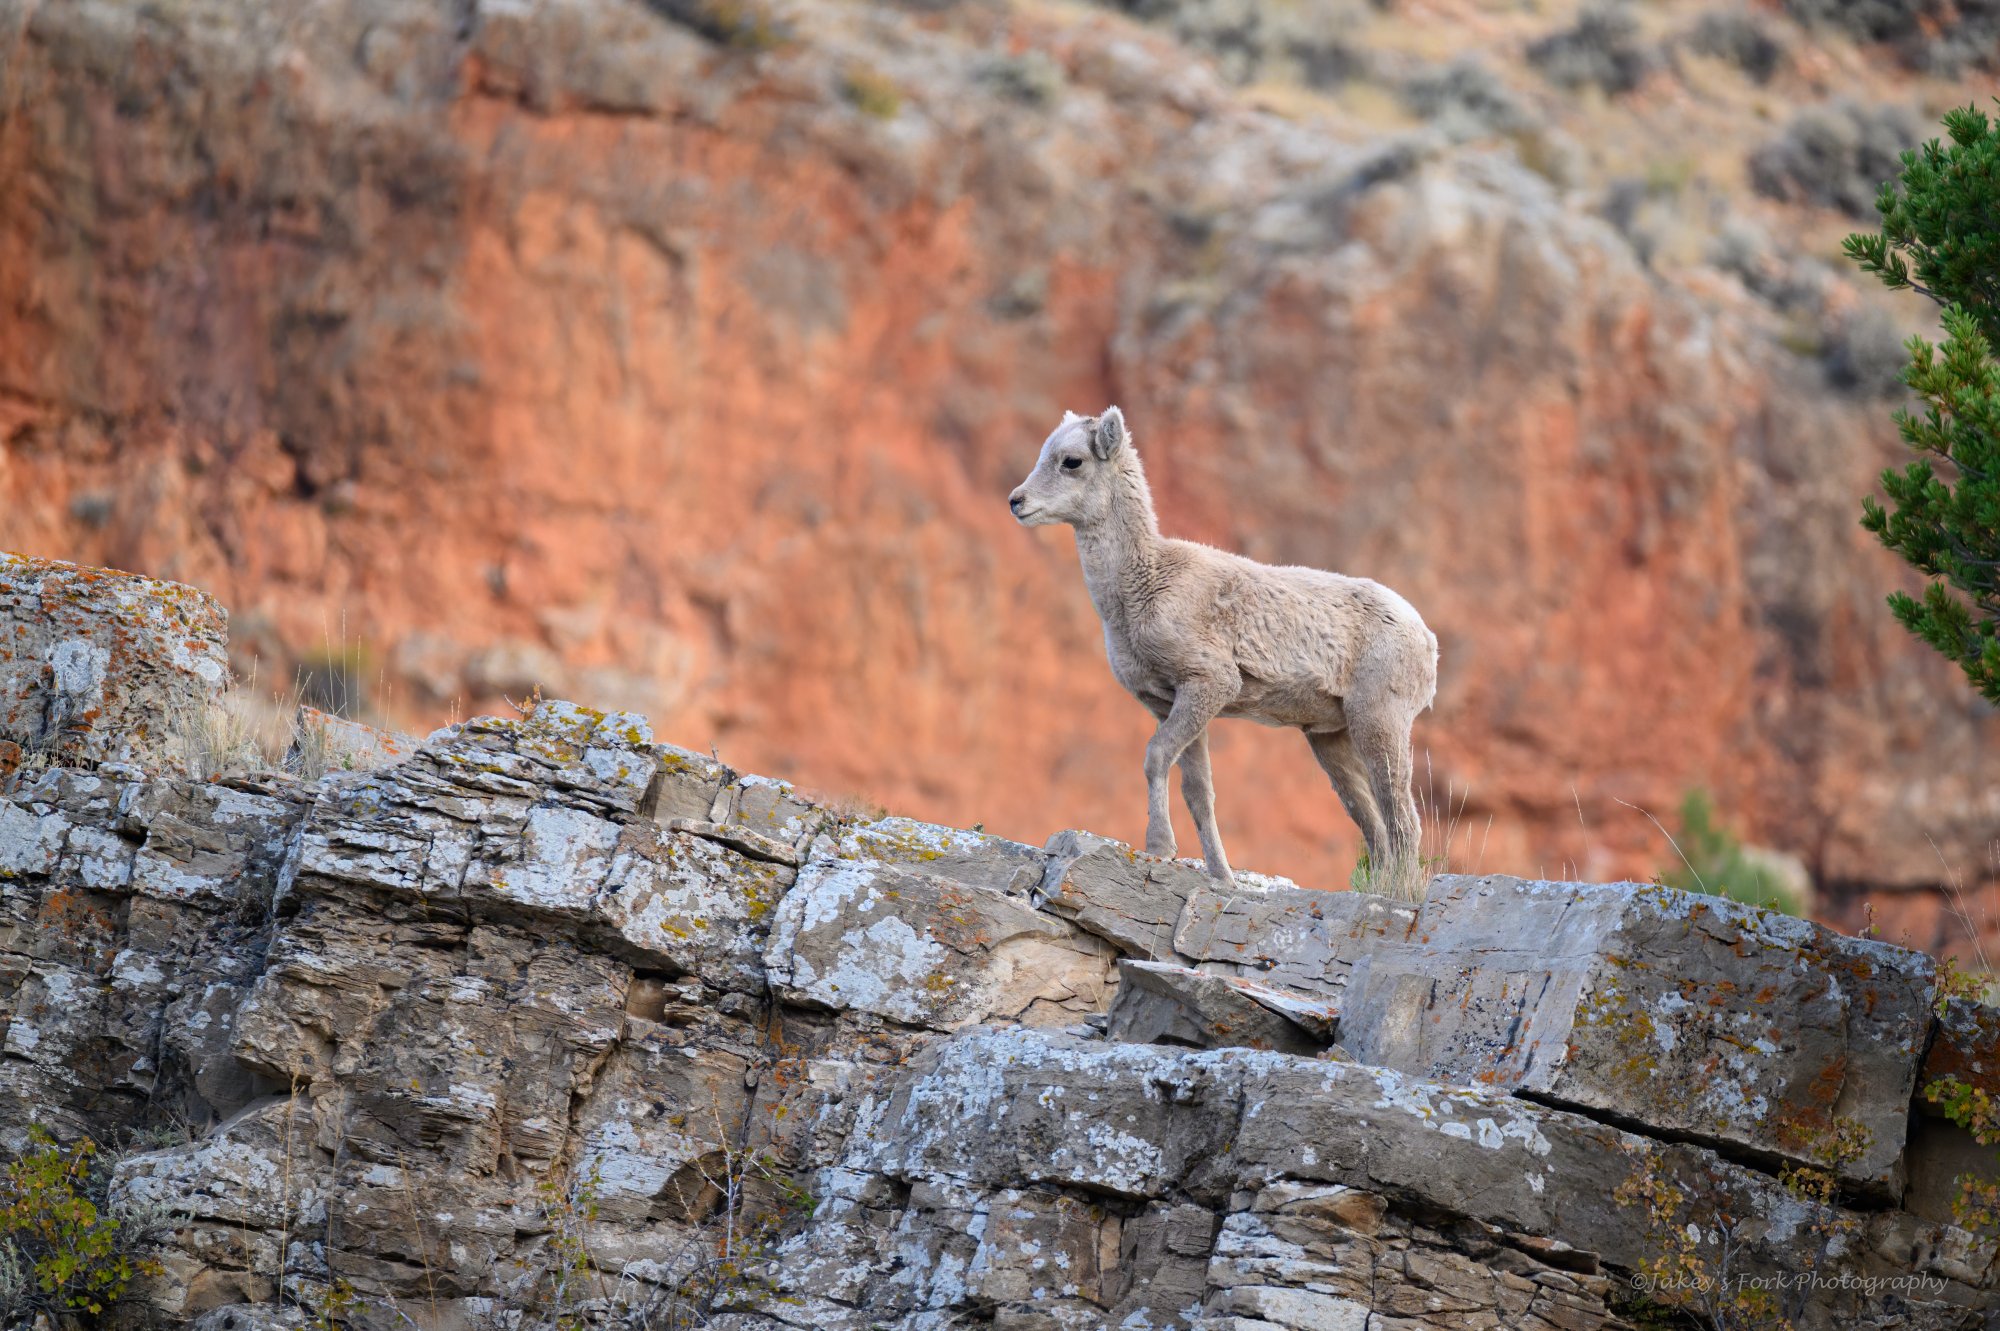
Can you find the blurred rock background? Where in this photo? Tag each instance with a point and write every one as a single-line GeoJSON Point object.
{"type": "Point", "coordinates": [678, 355]}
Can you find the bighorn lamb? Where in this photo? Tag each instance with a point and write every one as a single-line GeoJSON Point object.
{"type": "Point", "coordinates": [1196, 633]}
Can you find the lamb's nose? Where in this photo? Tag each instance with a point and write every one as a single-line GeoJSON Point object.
{"type": "Point", "coordinates": [1014, 502]}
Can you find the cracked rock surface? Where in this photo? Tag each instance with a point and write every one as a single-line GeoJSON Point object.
{"type": "Point", "coordinates": [550, 1018]}
{"type": "Point", "coordinates": [1740, 1027]}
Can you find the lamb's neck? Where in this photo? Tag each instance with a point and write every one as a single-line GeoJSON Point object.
{"type": "Point", "coordinates": [1120, 552]}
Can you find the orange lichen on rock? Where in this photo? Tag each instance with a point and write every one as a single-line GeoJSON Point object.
{"type": "Point", "coordinates": [106, 662]}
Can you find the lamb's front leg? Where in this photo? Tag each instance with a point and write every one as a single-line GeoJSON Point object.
{"type": "Point", "coordinates": [1196, 703]}
{"type": "Point", "coordinates": [1198, 789]}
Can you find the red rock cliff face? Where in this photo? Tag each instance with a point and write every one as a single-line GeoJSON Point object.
{"type": "Point", "coordinates": [561, 345]}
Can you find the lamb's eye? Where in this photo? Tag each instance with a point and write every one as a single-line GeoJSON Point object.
{"type": "Point", "coordinates": [1071, 464]}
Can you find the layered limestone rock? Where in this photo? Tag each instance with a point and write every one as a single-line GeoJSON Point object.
{"type": "Point", "coordinates": [134, 911]}
{"type": "Point", "coordinates": [1160, 1003]}
{"type": "Point", "coordinates": [102, 666]}
{"type": "Point", "coordinates": [1171, 910]}
{"type": "Point", "coordinates": [323, 741]}
{"type": "Point", "coordinates": [410, 1012]}
{"type": "Point", "coordinates": [487, 330]}
{"type": "Point", "coordinates": [549, 1020]}
{"type": "Point", "coordinates": [1326, 1192]}
{"type": "Point", "coordinates": [1694, 1015]}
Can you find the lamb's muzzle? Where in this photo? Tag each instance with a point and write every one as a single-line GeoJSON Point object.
{"type": "Point", "coordinates": [1197, 633]}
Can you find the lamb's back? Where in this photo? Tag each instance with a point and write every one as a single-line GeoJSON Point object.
{"type": "Point", "coordinates": [1298, 625]}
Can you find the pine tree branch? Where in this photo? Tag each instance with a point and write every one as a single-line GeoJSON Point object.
{"type": "Point", "coordinates": [1966, 557]}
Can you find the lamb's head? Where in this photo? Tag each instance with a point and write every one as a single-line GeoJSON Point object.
{"type": "Point", "coordinates": [1073, 479]}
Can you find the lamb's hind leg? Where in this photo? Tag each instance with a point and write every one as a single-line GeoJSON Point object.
{"type": "Point", "coordinates": [1198, 789]}
{"type": "Point", "coordinates": [1343, 766]}
{"type": "Point", "coordinates": [1382, 742]}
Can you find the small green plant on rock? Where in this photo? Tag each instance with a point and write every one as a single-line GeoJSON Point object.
{"type": "Point", "coordinates": [62, 1254]}
{"type": "Point", "coordinates": [1955, 984]}
{"type": "Point", "coordinates": [1977, 1206]}
{"type": "Point", "coordinates": [1691, 1274]}
{"type": "Point", "coordinates": [336, 1305]}
{"type": "Point", "coordinates": [1833, 1228]}
{"type": "Point", "coordinates": [1697, 1274]}
{"type": "Point", "coordinates": [1973, 1108]}
{"type": "Point", "coordinates": [872, 92]}
{"type": "Point", "coordinates": [741, 25]}
{"type": "Point", "coordinates": [569, 1205]}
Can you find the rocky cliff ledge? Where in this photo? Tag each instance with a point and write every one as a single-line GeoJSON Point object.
{"type": "Point", "coordinates": [549, 1020]}
{"type": "Point", "coordinates": [676, 355]}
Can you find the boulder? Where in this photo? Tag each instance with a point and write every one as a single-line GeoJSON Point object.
{"type": "Point", "coordinates": [1766, 1036]}
{"type": "Point", "coordinates": [978, 859]}
{"type": "Point", "coordinates": [1262, 926]}
{"type": "Point", "coordinates": [1109, 889]}
{"type": "Point", "coordinates": [930, 950]}
{"type": "Point", "coordinates": [324, 742]}
{"type": "Point", "coordinates": [102, 666]}
{"type": "Point", "coordinates": [1285, 935]}
{"type": "Point", "coordinates": [1160, 1003]}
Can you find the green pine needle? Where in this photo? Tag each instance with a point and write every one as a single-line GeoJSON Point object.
{"type": "Point", "coordinates": [1941, 236]}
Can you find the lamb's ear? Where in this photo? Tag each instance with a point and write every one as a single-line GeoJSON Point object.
{"type": "Point", "coordinates": [1110, 435]}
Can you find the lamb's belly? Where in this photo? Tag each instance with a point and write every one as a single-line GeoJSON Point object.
{"type": "Point", "coordinates": [1280, 704]}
